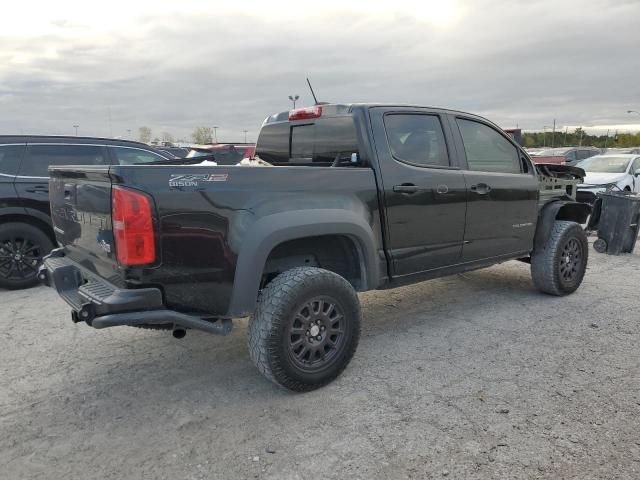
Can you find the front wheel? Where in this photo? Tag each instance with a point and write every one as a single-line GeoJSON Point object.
{"type": "Point", "coordinates": [22, 247]}
{"type": "Point", "coordinates": [559, 267]}
{"type": "Point", "coordinates": [305, 329]}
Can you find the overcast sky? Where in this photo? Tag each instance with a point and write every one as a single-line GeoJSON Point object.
{"type": "Point", "coordinates": [176, 65]}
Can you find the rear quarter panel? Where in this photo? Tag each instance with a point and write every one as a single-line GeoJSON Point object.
{"type": "Point", "coordinates": [205, 223]}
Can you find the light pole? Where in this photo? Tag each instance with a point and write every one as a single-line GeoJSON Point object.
{"type": "Point", "coordinates": [76, 127]}
{"type": "Point", "coordinates": [245, 135]}
{"type": "Point", "coordinates": [215, 134]}
{"type": "Point", "coordinates": [544, 135]}
{"type": "Point", "coordinates": [293, 99]}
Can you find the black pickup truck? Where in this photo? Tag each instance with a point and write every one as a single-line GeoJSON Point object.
{"type": "Point", "coordinates": [339, 199]}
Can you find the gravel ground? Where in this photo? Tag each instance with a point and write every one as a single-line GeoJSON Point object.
{"type": "Point", "coordinates": [472, 376]}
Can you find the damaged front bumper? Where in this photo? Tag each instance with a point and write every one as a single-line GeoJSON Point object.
{"type": "Point", "coordinates": [101, 304]}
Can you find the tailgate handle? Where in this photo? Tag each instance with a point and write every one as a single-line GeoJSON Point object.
{"type": "Point", "coordinates": [407, 188]}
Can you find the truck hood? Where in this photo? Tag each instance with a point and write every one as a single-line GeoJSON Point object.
{"type": "Point", "coordinates": [597, 178]}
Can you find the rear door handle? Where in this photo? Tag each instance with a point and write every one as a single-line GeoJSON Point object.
{"type": "Point", "coordinates": [38, 189]}
{"type": "Point", "coordinates": [407, 188]}
{"type": "Point", "coordinates": [481, 188]}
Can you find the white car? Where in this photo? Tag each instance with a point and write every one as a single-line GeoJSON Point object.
{"type": "Point", "coordinates": [608, 172]}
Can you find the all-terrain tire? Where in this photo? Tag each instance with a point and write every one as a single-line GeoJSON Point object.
{"type": "Point", "coordinates": [559, 267]}
{"type": "Point", "coordinates": [22, 247]}
{"type": "Point", "coordinates": [296, 303]}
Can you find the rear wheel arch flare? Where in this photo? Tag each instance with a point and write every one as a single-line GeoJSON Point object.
{"type": "Point", "coordinates": [341, 254]}
{"type": "Point", "coordinates": [270, 231]}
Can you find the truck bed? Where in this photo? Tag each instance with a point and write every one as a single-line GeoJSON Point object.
{"type": "Point", "coordinates": [203, 217]}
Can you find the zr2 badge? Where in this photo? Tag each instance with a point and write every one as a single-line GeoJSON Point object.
{"type": "Point", "coordinates": [193, 180]}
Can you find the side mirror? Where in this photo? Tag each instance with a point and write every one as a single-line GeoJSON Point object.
{"type": "Point", "coordinates": [355, 158]}
{"type": "Point", "coordinates": [637, 172]}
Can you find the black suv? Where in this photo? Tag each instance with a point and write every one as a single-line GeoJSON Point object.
{"type": "Point", "coordinates": [26, 232]}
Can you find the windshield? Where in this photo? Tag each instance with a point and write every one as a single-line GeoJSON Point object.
{"type": "Point", "coordinates": [605, 164]}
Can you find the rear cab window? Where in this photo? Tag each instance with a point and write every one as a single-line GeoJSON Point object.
{"type": "Point", "coordinates": [486, 149]}
{"type": "Point", "coordinates": [10, 157]}
{"type": "Point", "coordinates": [317, 142]}
{"type": "Point", "coordinates": [41, 156]}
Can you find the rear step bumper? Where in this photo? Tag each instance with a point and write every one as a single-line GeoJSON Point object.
{"type": "Point", "coordinates": [101, 304]}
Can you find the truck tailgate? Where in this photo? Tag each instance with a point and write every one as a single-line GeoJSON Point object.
{"type": "Point", "coordinates": [81, 212]}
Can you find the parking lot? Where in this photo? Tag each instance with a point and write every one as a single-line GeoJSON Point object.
{"type": "Point", "coordinates": [476, 375]}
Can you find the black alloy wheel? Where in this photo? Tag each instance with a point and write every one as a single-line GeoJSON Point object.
{"type": "Point", "coordinates": [316, 333]}
{"type": "Point", "coordinates": [19, 258]}
{"type": "Point", "coordinates": [571, 260]}
{"type": "Point", "coordinates": [22, 248]}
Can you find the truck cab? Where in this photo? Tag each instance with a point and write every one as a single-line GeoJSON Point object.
{"type": "Point", "coordinates": [454, 188]}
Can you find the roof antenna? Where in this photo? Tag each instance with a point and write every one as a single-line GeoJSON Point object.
{"type": "Point", "coordinates": [312, 93]}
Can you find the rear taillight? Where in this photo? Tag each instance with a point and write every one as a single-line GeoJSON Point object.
{"type": "Point", "coordinates": [305, 113]}
{"type": "Point", "coordinates": [132, 227]}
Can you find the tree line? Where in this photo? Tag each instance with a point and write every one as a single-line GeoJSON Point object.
{"type": "Point", "coordinates": [201, 135]}
{"type": "Point", "coordinates": [579, 138]}
{"type": "Point", "coordinates": [204, 135]}
{"type": "Point", "coordinates": [145, 135]}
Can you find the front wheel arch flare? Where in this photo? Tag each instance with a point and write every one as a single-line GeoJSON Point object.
{"type": "Point", "coordinates": [554, 211]}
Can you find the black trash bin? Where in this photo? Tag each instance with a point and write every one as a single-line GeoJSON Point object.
{"type": "Point", "coordinates": [618, 223]}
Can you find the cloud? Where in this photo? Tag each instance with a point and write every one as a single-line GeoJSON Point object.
{"type": "Point", "coordinates": [522, 63]}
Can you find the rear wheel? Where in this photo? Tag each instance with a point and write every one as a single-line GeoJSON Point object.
{"type": "Point", "coordinates": [305, 329]}
{"type": "Point", "coordinates": [22, 247]}
{"type": "Point", "coordinates": [558, 268]}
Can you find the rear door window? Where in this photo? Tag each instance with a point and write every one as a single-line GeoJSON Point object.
{"type": "Point", "coordinates": [10, 156]}
{"type": "Point", "coordinates": [417, 139]}
{"type": "Point", "coordinates": [40, 157]}
{"type": "Point", "coordinates": [486, 149]}
{"type": "Point", "coordinates": [132, 156]}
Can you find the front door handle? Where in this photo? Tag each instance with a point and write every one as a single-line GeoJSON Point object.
{"type": "Point", "coordinates": [481, 188]}
{"type": "Point", "coordinates": [406, 188]}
